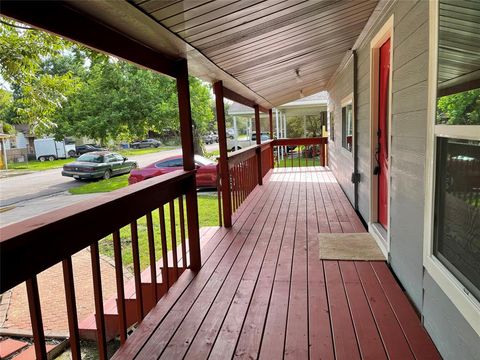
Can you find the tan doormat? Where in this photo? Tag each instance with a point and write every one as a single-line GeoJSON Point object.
{"type": "Point", "coordinates": [356, 246]}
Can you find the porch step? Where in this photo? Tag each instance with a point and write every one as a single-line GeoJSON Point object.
{"type": "Point", "coordinates": [88, 327]}
{"type": "Point", "coordinates": [29, 353]}
{"type": "Point", "coordinates": [10, 346]}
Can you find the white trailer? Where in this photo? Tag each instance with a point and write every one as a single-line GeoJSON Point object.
{"type": "Point", "coordinates": [50, 149]}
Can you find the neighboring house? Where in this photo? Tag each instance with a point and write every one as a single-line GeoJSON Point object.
{"type": "Point", "coordinates": [313, 106]}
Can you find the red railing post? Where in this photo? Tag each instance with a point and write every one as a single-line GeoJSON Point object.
{"type": "Point", "coordinates": [259, 141]}
{"type": "Point", "coordinates": [270, 118]}
{"type": "Point", "coordinates": [186, 131]}
{"type": "Point", "coordinates": [222, 143]}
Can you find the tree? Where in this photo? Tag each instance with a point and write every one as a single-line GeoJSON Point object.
{"type": "Point", "coordinates": [65, 89]}
{"type": "Point", "coordinates": [459, 109]}
{"type": "Point", "coordinates": [37, 95]}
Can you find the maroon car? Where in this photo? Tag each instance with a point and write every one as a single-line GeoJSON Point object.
{"type": "Point", "coordinates": [206, 170]}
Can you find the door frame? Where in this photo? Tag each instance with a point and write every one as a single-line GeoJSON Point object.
{"type": "Point", "coordinates": [381, 235]}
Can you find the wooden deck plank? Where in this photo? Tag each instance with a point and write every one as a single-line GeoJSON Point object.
{"type": "Point", "coordinates": [254, 248]}
{"type": "Point", "coordinates": [273, 341]}
{"type": "Point", "coordinates": [248, 344]}
{"type": "Point", "coordinates": [344, 339]}
{"type": "Point", "coordinates": [320, 333]}
{"type": "Point", "coordinates": [211, 254]}
{"type": "Point", "coordinates": [296, 340]}
{"type": "Point", "coordinates": [392, 335]}
{"type": "Point", "coordinates": [231, 328]}
{"type": "Point", "coordinates": [416, 335]}
{"type": "Point", "coordinates": [208, 286]}
{"type": "Point", "coordinates": [369, 340]}
{"type": "Point", "coordinates": [263, 292]}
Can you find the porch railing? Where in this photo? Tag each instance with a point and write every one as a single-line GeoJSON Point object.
{"type": "Point", "coordinates": [300, 152]}
{"type": "Point", "coordinates": [34, 245]}
{"type": "Point", "coordinates": [243, 175]}
{"type": "Point", "coordinates": [247, 167]}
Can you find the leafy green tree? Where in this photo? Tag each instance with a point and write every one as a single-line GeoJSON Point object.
{"type": "Point", "coordinates": [37, 95]}
{"type": "Point", "coordinates": [459, 109]}
{"type": "Point", "coordinates": [65, 89]}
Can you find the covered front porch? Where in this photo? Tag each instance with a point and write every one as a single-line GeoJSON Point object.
{"type": "Point", "coordinates": [263, 292]}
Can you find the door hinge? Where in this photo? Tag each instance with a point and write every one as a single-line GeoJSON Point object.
{"type": "Point", "coordinates": [355, 178]}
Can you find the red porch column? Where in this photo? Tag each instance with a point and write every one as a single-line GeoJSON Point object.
{"type": "Point", "coordinates": [222, 143]}
{"type": "Point", "coordinates": [270, 118]}
{"type": "Point", "coordinates": [186, 131]}
{"type": "Point", "coordinates": [259, 141]}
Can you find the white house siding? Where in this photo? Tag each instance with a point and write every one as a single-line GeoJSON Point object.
{"type": "Point", "coordinates": [340, 159]}
{"type": "Point", "coordinates": [451, 333]}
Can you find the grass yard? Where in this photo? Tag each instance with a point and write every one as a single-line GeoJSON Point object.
{"type": "Point", "coordinates": [36, 165]}
{"type": "Point", "coordinates": [302, 162]}
{"type": "Point", "coordinates": [133, 152]}
{"type": "Point", "coordinates": [208, 216]}
{"type": "Point", "coordinates": [92, 187]}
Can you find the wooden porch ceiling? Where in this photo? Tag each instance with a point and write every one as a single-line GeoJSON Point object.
{"type": "Point", "coordinates": [270, 51]}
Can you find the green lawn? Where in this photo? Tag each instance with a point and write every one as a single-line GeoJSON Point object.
{"type": "Point", "coordinates": [208, 216]}
{"type": "Point", "coordinates": [302, 163]}
{"type": "Point", "coordinates": [36, 165]}
{"type": "Point", "coordinates": [132, 152]}
{"type": "Point", "coordinates": [92, 187]}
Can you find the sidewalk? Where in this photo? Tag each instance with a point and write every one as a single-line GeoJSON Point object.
{"type": "Point", "coordinates": [10, 173]}
{"type": "Point", "coordinates": [14, 313]}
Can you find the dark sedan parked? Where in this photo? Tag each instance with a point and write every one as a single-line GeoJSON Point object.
{"type": "Point", "coordinates": [148, 143]}
{"type": "Point", "coordinates": [98, 165]}
{"type": "Point", "coordinates": [86, 148]}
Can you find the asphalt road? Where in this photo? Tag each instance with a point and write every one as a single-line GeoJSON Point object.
{"type": "Point", "coordinates": [42, 191]}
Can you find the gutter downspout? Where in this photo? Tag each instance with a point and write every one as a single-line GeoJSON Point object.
{"type": "Point", "coordinates": [355, 175]}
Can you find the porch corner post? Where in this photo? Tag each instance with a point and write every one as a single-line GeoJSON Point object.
{"type": "Point", "coordinates": [270, 117]}
{"type": "Point", "coordinates": [259, 141]}
{"type": "Point", "coordinates": [222, 144]}
{"type": "Point", "coordinates": [186, 132]}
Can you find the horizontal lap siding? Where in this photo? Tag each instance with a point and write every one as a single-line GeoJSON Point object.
{"type": "Point", "coordinates": [340, 160]}
{"type": "Point", "coordinates": [454, 337]}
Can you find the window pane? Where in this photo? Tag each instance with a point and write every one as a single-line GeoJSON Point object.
{"type": "Point", "coordinates": [458, 87]}
{"type": "Point", "coordinates": [347, 127]}
{"type": "Point", "coordinates": [457, 210]}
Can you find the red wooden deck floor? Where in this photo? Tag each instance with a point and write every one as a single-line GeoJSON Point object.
{"type": "Point", "coordinates": [263, 292]}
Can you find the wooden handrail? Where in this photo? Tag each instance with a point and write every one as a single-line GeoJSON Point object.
{"type": "Point", "coordinates": [238, 156]}
{"type": "Point", "coordinates": [33, 245]}
{"type": "Point", "coordinates": [301, 141]}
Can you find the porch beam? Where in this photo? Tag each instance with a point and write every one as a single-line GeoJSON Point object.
{"type": "Point", "coordinates": [186, 131]}
{"type": "Point", "coordinates": [218, 89]}
{"type": "Point", "coordinates": [259, 141]}
{"type": "Point", "coordinates": [232, 95]}
{"type": "Point", "coordinates": [59, 18]}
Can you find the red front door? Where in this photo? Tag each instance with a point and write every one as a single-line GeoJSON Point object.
{"type": "Point", "coordinates": [383, 89]}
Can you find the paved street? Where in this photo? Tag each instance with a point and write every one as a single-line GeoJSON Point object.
{"type": "Point", "coordinates": [31, 194]}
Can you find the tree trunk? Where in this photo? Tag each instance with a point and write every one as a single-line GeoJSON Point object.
{"type": "Point", "coordinates": [198, 146]}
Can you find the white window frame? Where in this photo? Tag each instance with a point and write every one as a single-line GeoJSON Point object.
{"type": "Point", "coordinates": [347, 100]}
{"type": "Point", "coordinates": [465, 302]}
